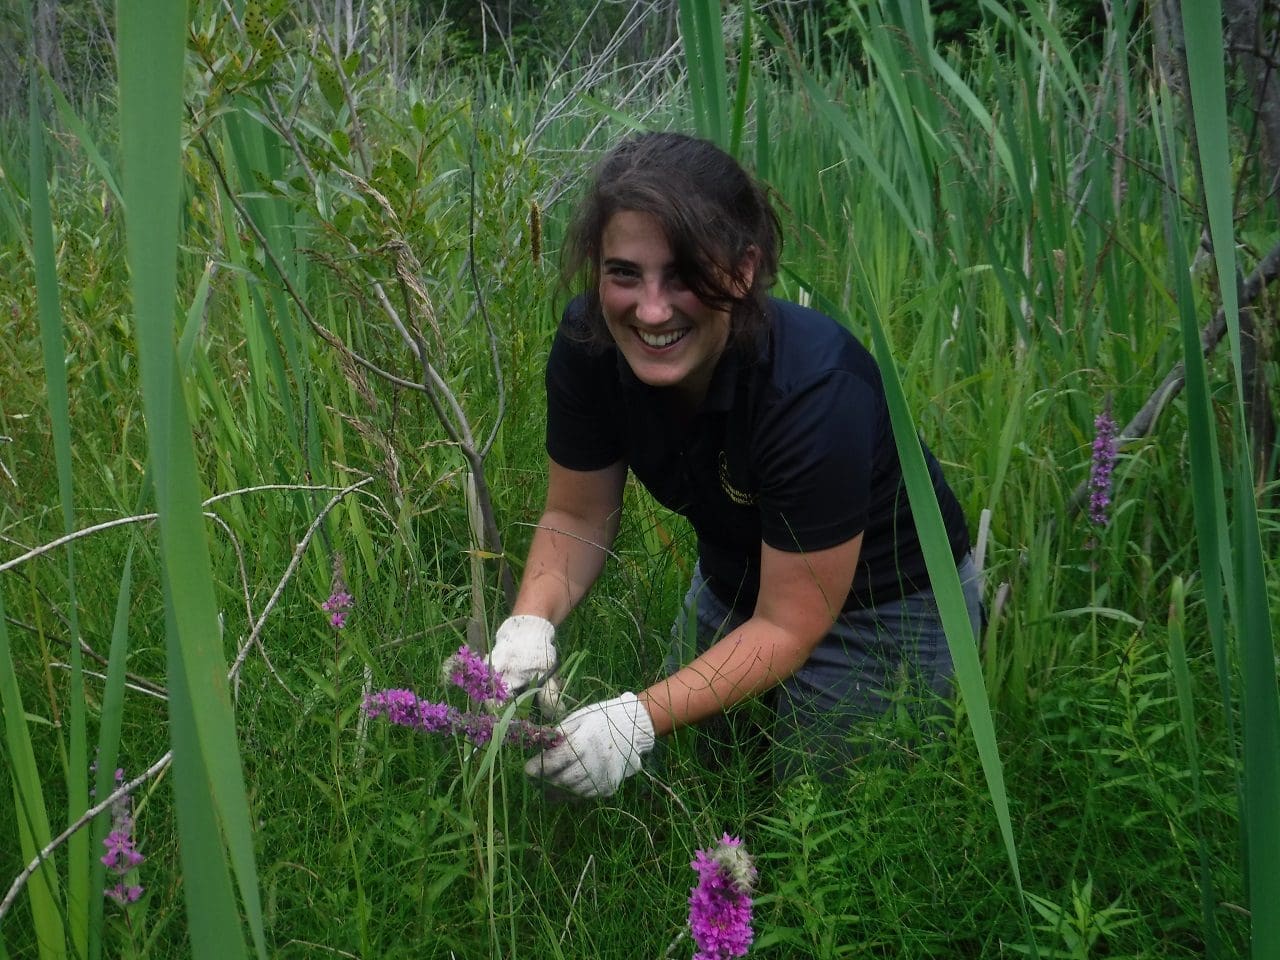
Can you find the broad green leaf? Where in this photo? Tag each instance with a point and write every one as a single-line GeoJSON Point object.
{"type": "Point", "coordinates": [209, 782]}
{"type": "Point", "coordinates": [32, 821]}
{"type": "Point", "coordinates": [55, 370]}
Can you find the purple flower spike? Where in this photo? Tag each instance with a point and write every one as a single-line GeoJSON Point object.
{"type": "Point", "coordinates": [720, 904]}
{"type": "Point", "coordinates": [338, 606]}
{"type": "Point", "coordinates": [467, 671]}
{"type": "Point", "coordinates": [1104, 461]}
{"type": "Point", "coordinates": [122, 855]}
{"type": "Point", "coordinates": [405, 708]}
{"type": "Point", "coordinates": [124, 894]}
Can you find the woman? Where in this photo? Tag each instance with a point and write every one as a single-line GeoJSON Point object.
{"type": "Point", "coordinates": [762, 422]}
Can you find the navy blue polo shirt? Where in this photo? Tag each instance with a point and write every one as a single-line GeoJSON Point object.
{"type": "Point", "coordinates": [792, 447]}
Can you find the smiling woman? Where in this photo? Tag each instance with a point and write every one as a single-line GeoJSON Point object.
{"type": "Point", "coordinates": [668, 336]}
{"type": "Point", "coordinates": [766, 425]}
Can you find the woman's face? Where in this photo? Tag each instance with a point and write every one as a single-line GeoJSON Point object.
{"type": "Point", "coordinates": [667, 335]}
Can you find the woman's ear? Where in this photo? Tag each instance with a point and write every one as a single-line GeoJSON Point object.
{"type": "Point", "coordinates": [746, 272]}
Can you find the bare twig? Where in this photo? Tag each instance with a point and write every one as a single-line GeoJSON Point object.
{"type": "Point", "coordinates": [149, 690]}
{"type": "Point", "coordinates": [143, 518]}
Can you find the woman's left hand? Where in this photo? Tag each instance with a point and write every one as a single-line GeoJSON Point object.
{"type": "Point", "coordinates": [603, 744]}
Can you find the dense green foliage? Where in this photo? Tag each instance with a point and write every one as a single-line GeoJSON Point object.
{"type": "Point", "coordinates": [998, 212]}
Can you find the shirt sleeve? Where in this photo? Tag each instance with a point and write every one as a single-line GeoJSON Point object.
{"type": "Point", "coordinates": [815, 453]}
{"type": "Point", "coordinates": [584, 422]}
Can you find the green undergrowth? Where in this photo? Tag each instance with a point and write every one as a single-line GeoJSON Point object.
{"type": "Point", "coordinates": [1017, 310]}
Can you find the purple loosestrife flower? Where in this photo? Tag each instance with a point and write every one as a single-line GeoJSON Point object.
{"type": "Point", "coordinates": [337, 606]}
{"type": "Point", "coordinates": [532, 736]}
{"type": "Point", "coordinates": [720, 903]}
{"type": "Point", "coordinates": [467, 671]}
{"type": "Point", "coordinates": [122, 857]}
{"type": "Point", "coordinates": [1104, 461]}
{"type": "Point", "coordinates": [405, 708]}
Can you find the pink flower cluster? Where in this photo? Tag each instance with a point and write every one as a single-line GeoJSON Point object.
{"type": "Point", "coordinates": [337, 606]}
{"type": "Point", "coordinates": [467, 671]}
{"type": "Point", "coordinates": [122, 856]}
{"type": "Point", "coordinates": [1104, 461]}
{"type": "Point", "coordinates": [720, 903]}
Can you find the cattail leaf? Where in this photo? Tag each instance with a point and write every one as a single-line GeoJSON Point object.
{"type": "Point", "coordinates": [56, 371]}
{"type": "Point", "coordinates": [945, 581]}
{"type": "Point", "coordinates": [32, 821]}
{"type": "Point", "coordinates": [1206, 59]}
{"type": "Point", "coordinates": [212, 806]}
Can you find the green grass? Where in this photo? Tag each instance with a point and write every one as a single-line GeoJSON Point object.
{"type": "Point", "coordinates": [934, 201]}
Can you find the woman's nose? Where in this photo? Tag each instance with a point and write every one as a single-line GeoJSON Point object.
{"type": "Point", "coordinates": [654, 306]}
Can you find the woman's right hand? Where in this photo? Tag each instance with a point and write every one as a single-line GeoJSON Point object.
{"type": "Point", "coordinates": [524, 651]}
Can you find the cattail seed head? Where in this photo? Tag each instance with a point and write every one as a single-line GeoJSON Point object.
{"type": "Point", "coordinates": [535, 232]}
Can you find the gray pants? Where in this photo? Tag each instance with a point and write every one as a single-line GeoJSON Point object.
{"type": "Point", "coordinates": [892, 658]}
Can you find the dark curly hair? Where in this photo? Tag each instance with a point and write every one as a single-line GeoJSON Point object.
{"type": "Point", "coordinates": [711, 210]}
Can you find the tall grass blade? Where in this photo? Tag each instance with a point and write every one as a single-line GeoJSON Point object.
{"type": "Point", "coordinates": [1187, 717]}
{"type": "Point", "coordinates": [208, 778]}
{"type": "Point", "coordinates": [32, 820]}
{"type": "Point", "coordinates": [702, 35]}
{"type": "Point", "coordinates": [945, 580]}
{"type": "Point", "coordinates": [55, 371]}
{"type": "Point", "coordinates": [743, 89]}
{"type": "Point", "coordinates": [841, 124]}
{"type": "Point", "coordinates": [1209, 505]}
{"type": "Point", "coordinates": [1202, 27]}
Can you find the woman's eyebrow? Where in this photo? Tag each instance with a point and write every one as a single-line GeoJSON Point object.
{"type": "Point", "coordinates": [615, 262]}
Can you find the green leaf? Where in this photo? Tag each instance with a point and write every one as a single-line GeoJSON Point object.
{"type": "Point", "coordinates": [330, 85]}
{"type": "Point", "coordinates": [403, 167]}
{"type": "Point", "coordinates": [55, 369]}
{"type": "Point", "coordinates": [32, 819]}
{"type": "Point", "coordinates": [208, 777]}
{"type": "Point", "coordinates": [256, 23]}
{"type": "Point", "coordinates": [944, 579]}
{"type": "Point", "coordinates": [1206, 59]}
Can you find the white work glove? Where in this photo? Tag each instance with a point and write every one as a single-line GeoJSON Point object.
{"type": "Point", "coordinates": [524, 652]}
{"type": "Point", "coordinates": [603, 745]}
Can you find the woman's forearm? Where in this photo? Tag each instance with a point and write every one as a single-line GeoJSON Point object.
{"type": "Point", "coordinates": [565, 558]}
{"type": "Point", "coordinates": [744, 663]}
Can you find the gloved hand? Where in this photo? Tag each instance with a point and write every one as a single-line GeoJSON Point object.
{"type": "Point", "coordinates": [603, 744]}
{"type": "Point", "coordinates": [523, 651]}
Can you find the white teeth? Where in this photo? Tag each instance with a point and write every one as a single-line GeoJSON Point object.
{"type": "Point", "coordinates": [661, 339]}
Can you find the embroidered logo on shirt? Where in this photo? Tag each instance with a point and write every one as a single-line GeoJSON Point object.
{"type": "Point", "coordinates": [733, 493]}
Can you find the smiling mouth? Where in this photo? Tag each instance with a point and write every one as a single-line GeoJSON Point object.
{"type": "Point", "coordinates": [659, 340]}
